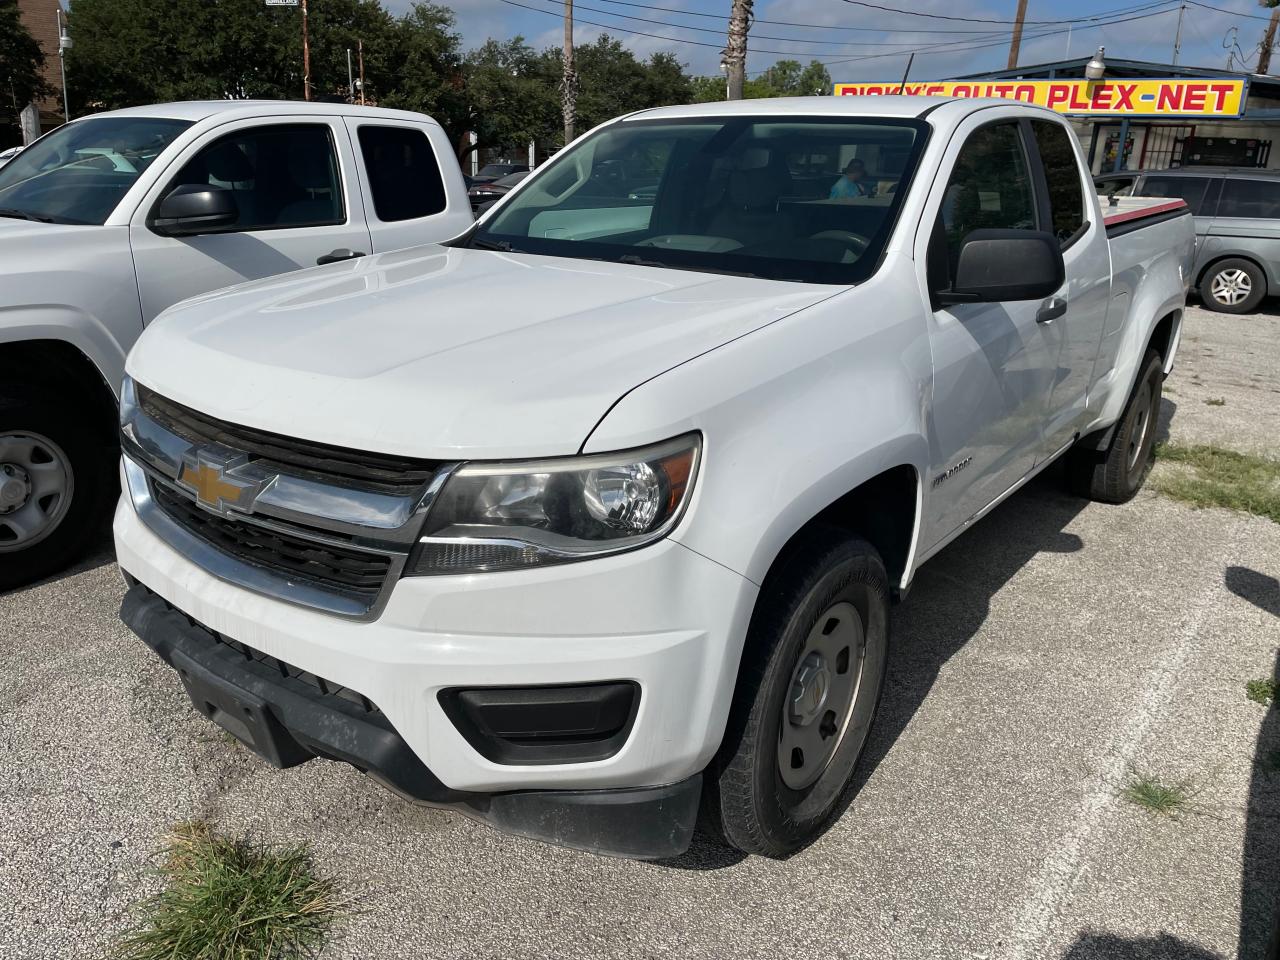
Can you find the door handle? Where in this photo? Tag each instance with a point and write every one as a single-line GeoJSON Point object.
{"type": "Point", "coordinates": [1051, 310]}
{"type": "Point", "coordinates": [335, 256]}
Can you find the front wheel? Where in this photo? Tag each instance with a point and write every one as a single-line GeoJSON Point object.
{"type": "Point", "coordinates": [56, 484]}
{"type": "Point", "coordinates": [808, 688]}
{"type": "Point", "coordinates": [1233, 286]}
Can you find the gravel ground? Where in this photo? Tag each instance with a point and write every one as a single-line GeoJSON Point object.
{"type": "Point", "coordinates": [1040, 662]}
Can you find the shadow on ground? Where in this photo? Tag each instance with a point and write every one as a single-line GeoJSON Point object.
{"type": "Point", "coordinates": [102, 551]}
{"type": "Point", "coordinates": [948, 604]}
{"type": "Point", "coordinates": [1091, 945]}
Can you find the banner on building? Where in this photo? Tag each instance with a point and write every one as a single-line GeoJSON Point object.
{"type": "Point", "coordinates": [1207, 97]}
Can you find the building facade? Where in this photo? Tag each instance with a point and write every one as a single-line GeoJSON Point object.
{"type": "Point", "coordinates": [40, 17]}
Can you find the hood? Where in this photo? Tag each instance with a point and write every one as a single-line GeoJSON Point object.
{"type": "Point", "coordinates": [445, 352]}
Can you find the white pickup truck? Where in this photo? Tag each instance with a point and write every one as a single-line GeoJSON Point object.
{"type": "Point", "coordinates": [108, 220]}
{"type": "Point", "coordinates": [591, 518]}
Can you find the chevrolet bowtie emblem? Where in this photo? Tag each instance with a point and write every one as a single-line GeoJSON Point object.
{"type": "Point", "coordinates": [208, 474]}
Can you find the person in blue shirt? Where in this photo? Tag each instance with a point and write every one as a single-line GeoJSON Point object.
{"type": "Point", "coordinates": [854, 183]}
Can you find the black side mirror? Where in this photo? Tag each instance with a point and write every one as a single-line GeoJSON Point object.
{"type": "Point", "coordinates": [999, 265]}
{"type": "Point", "coordinates": [195, 208]}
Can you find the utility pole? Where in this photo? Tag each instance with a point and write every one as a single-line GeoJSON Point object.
{"type": "Point", "coordinates": [360, 54]}
{"type": "Point", "coordinates": [351, 81]}
{"type": "Point", "coordinates": [1177, 37]}
{"type": "Point", "coordinates": [1268, 41]}
{"type": "Point", "coordinates": [306, 56]}
{"type": "Point", "coordinates": [735, 54]}
{"type": "Point", "coordinates": [64, 44]}
{"type": "Point", "coordinates": [1016, 45]}
{"type": "Point", "coordinates": [569, 82]}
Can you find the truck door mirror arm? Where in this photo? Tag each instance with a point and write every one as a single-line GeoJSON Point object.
{"type": "Point", "coordinates": [1002, 265]}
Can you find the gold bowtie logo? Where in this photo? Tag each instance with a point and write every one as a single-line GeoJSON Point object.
{"type": "Point", "coordinates": [211, 485]}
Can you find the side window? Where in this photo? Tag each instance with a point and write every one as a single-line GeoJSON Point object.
{"type": "Point", "coordinates": [1255, 199]}
{"type": "Point", "coordinates": [404, 176]}
{"type": "Point", "coordinates": [285, 176]}
{"type": "Point", "coordinates": [1062, 171]}
{"type": "Point", "coordinates": [990, 188]}
{"type": "Point", "coordinates": [1190, 189]}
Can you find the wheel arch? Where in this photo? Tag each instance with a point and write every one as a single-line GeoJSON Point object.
{"type": "Point", "coordinates": [60, 368]}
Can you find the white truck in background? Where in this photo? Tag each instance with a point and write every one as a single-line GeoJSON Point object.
{"type": "Point", "coordinates": [112, 218]}
{"type": "Point", "coordinates": [591, 518]}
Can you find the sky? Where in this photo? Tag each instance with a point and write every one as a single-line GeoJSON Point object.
{"type": "Point", "coordinates": [873, 44]}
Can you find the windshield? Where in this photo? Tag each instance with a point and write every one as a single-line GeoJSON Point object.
{"type": "Point", "coordinates": [78, 173]}
{"type": "Point", "coordinates": [793, 199]}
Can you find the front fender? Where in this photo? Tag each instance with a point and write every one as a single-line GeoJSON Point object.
{"type": "Point", "coordinates": [81, 330]}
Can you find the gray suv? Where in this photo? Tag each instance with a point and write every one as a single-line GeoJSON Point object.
{"type": "Point", "coordinates": [1237, 214]}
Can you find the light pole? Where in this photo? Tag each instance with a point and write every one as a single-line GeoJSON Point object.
{"type": "Point", "coordinates": [64, 44]}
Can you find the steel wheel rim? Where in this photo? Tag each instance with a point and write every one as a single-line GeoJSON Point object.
{"type": "Point", "coordinates": [1142, 426]}
{"type": "Point", "coordinates": [36, 486]}
{"type": "Point", "coordinates": [821, 695]}
{"type": "Point", "coordinates": [1231, 287]}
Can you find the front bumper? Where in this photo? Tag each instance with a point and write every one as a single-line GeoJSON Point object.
{"type": "Point", "coordinates": [663, 617]}
{"type": "Point", "coordinates": [289, 719]}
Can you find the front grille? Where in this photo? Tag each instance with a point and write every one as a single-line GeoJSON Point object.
{"type": "Point", "coordinates": [336, 568]}
{"type": "Point", "coordinates": [374, 471]}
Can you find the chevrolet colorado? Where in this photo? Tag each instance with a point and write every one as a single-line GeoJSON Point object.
{"type": "Point", "coordinates": [588, 521]}
{"type": "Point", "coordinates": [109, 219]}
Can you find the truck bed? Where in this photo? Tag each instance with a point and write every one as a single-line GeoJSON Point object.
{"type": "Point", "coordinates": [1124, 214]}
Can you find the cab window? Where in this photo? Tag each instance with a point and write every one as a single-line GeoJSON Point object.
{"type": "Point", "coordinates": [280, 176]}
{"type": "Point", "coordinates": [1062, 173]}
{"type": "Point", "coordinates": [990, 188]}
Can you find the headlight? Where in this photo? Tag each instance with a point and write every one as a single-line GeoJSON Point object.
{"type": "Point", "coordinates": [510, 516]}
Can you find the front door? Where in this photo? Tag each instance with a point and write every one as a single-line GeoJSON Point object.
{"type": "Point", "coordinates": [296, 191]}
{"type": "Point", "coordinates": [994, 364]}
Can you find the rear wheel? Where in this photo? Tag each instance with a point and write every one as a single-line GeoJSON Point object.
{"type": "Point", "coordinates": [1233, 286]}
{"type": "Point", "coordinates": [1116, 474]}
{"type": "Point", "coordinates": [57, 483]}
{"type": "Point", "coordinates": [808, 689]}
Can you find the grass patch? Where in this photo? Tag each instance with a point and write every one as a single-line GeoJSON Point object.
{"type": "Point", "coordinates": [227, 899]}
{"type": "Point", "coordinates": [1216, 402]}
{"type": "Point", "coordinates": [1221, 478]}
{"type": "Point", "coordinates": [1261, 691]}
{"type": "Point", "coordinates": [1154, 795]}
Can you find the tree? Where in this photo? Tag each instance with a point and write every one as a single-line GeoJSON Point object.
{"type": "Point", "coordinates": [20, 61]}
{"type": "Point", "coordinates": [787, 78]}
{"type": "Point", "coordinates": [706, 89]}
{"type": "Point", "coordinates": [510, 99]}
{"type": "Point", "coordinates": [429, 73]}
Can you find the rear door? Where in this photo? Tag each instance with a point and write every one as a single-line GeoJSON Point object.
{"type": "Point", "coordinates": [994, 364]}
{"type": "Point", "coordinates": [1247, 222]}
{"type": "Point", "coordinates": [412, 184]}
{"type": "Point", "coordinates": [294, 182]}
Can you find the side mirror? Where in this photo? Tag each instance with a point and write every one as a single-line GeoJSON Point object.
{"type": "Point", "coordinates": [195, 208]}
{"type": "Point", "coordinates": [999, 265]}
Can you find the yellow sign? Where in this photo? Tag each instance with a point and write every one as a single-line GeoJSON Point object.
{"type": "Point", "coordinates": [1209, 97]}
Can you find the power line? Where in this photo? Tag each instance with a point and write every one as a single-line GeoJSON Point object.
{"type": "Point", "coordinates": [1006, 23]}
{"type": "Point", "coordinates": [825, 27]}
{"type": "Point", "coordinates": [759, 36]}
{"type": "Point", "coordinates": [1207, 6]}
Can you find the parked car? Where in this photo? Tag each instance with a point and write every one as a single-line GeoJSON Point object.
{"type": "Point", "coordinates": [593, 516]}
{"type": "Point", "coordinates": [108, 220]}
{"type": "Point", "coordinates": [7, 155]}
{"type": "Point", "coordinates": [496, 171]}
{"type": "Point", "coordinates": [1237, 217]}
{"type": "Point", "coordinates": [481, 194]}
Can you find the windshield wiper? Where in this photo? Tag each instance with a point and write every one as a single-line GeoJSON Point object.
{"type": "Point", "coordinates": [23, 215]}
{"type": "Point", "coordinates": [502, 245]}
{"type": "Point", "coordinates": [638, 261]}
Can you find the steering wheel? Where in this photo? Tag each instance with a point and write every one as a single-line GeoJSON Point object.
{"type": "Point", "coordinates": [856, 241]}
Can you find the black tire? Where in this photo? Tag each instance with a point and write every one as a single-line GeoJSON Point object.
{"type": "Point", "coordinates": [1233, 278]}
{"type": "Point", "coordinates": [1116, 474]}
{"type": "Point", "coordinates": [747, 801]}
{"type": "Point", "coordinates": [93, 484]}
